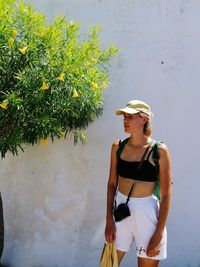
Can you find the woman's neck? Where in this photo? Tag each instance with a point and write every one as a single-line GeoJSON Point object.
{"type": "Point", "coordinates": [139, 141]}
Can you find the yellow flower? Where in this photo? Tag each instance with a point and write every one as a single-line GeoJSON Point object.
{"type": "Point", "coordinates": [40, 34]}
{"type": "Point", "coordinates": [44, 86]}
{"type": "Point", "coordinates": [11, 41]}
{"type": "Point", "coordinates": [94, 85]}
{"type": "Point", "coordinates": [62, 133]}
{"type": "Point", "coordinates": [23, 50]}
{"type": "Point", "coordinates": [83, 138]}
{"type": "Point", "coordinates": [104, 86]}
{"type": "Point", "coordinates": [61, 77]}
{"type": "Point", "coordinates": [94, 61]}
{"type": "Point", "coordinates": [75, 93]}
{"type": "Point", "coordinates": [4, 104]}
{"type": "Point", "coordinates": [14, 32]}
{"type": "Point", "coordinates": [44, 141]}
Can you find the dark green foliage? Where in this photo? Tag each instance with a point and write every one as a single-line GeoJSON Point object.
{"type": "Point", "coordinates": [51, 78]}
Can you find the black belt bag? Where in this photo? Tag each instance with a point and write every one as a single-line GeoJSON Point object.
{"type": "Point", "coordinates": [122, 211]}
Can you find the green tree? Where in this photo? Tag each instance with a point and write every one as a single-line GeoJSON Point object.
{"type": "Point", "coordinates": [51, 77]}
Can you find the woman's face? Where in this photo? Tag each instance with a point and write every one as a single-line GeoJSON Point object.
{"type": "Point", "coordinates": [133, 122]}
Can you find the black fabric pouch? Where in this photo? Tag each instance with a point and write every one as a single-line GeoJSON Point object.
{"type": "Point", "coordinates": [121, 212]}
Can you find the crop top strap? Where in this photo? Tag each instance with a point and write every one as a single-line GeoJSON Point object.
{"type": "Point", "coordinates": [151, 150]}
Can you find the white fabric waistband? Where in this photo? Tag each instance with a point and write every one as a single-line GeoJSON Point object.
{"type": "Point", "coordinates": [137, 200]}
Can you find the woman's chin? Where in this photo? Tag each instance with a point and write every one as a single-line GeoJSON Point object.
{"type": "Point", "coordinates": [126, 130]}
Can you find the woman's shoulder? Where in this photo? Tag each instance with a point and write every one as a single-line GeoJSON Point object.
{"type": "Point", "coordinates": [163, 149]}
{"type": "Point", "coordinates": [115, 148]}
{"type": "Point", "coordinates": [120, 142]}
{"type": "Point", "coordinates": [118, 146]}
{"type": "Point", "coordinates": [160, 144]}
{"type": "Point", "coordinates": [115, 144]}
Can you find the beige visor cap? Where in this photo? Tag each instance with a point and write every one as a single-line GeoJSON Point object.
{"type": "Point", "coordinates": [135, 106]}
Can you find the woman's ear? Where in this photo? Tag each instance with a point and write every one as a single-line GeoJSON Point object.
{"type": "Point", "coordinates": [145, 119]}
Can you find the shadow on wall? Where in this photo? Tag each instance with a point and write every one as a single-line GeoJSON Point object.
{"type": "Point", "coordinates": [88, 225]}
{"type": "Point", "coordinates": [1, 229]}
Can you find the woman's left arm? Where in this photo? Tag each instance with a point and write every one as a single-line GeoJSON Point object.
{"type": "Point", "coordinates": [165, 181]}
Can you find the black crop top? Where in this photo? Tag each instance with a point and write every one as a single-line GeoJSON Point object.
{"type": "Point", "coordinates": [128, 169]}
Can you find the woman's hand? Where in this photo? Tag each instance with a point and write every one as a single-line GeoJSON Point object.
{"type": "Point", "coordinates": [153, 248]}
{"type": "Point", "coordinates": [110, 231]}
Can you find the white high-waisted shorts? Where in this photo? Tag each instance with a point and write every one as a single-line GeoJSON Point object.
{"type": "Point", "coordinates": [140, 226]}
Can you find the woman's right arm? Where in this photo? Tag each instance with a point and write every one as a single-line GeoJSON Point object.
{"type": "Point", "coordinates": [111, 189]}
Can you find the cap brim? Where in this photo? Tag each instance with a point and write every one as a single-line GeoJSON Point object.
{"type": "Point", "coordinates": [132, 111]}
{"type": "Point", "coordinates": [126, 110]}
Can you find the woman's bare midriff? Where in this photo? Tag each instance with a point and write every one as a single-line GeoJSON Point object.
{"type": "Point", "coordinates": [140, 189]}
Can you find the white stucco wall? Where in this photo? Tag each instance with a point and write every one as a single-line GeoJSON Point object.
{"type": "Point", "coordinates": [54, 196]}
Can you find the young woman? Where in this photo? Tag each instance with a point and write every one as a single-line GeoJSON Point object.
{"type": "Point", "coordinates": [146, 225]}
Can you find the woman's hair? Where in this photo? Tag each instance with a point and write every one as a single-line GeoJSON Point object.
{"type": "Point", "coordinates": [147, 126]}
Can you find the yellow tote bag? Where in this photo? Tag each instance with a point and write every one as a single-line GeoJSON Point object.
{"type": "Point", "coordinates": [109, 256]}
